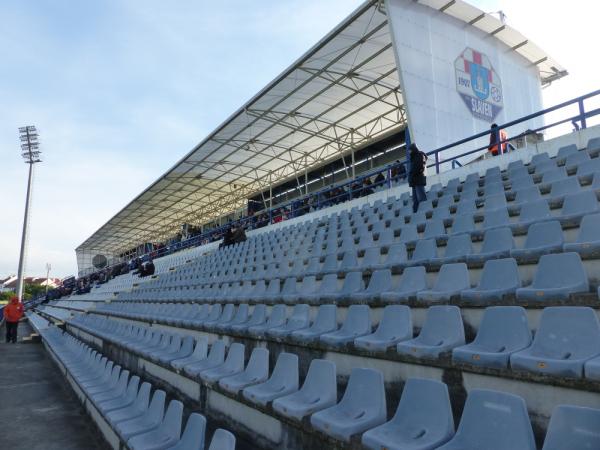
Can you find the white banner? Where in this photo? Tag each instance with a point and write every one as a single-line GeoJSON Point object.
{"type": "Point", "coordinates": [457, 80]}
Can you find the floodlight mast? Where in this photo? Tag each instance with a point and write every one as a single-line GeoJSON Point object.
{"type": "Point", "coordinates": [31, 154]}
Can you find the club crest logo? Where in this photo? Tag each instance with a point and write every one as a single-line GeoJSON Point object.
{"type": "Point", "coordinates": [478, 84]}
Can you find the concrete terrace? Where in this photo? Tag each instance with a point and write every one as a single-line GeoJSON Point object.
{"type": "Point", "coordinates": [38, 410]}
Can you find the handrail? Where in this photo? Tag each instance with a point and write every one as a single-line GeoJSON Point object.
{"type": "Point", "coordinates": [274, 213]}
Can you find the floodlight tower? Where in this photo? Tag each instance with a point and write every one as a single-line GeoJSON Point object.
{"type": "Point", "coordinates": [31, 154]}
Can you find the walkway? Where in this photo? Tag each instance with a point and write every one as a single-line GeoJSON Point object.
{"type": "Point", "coordinates": [38, 409]}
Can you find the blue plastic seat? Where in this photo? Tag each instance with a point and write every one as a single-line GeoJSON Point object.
{"type": "Point", "coordinates": [362, 407]}
{"type": "Point", "coordinates": [353, 282]}
{"type": "Point", "coordinates": [194, 434]}
{"type": "Point", "coordinates": [222, 440]}
{"type": "Point", "coordinates": [442, 331]}
{"type": "Point", "coordinates": [592, 369]}
{"type": "Point", "coordinates": [276, 319]}
{"type": "Point", "coordinates": [557, 277]}
{"type": "Point", "coordinates": [408, 233]}
{"type": "Point", "coordinates": [357, 323]}
{"type": "Point", "coordinates": [494, 202]}
{"type": "Point", "coordinates": [463, 223]}
{"type": "Point", "coordinates": [165, 435]}
{"type": "Point", "coordinates": [325, 322]}
{"type": "Point", "coordinates": [412, 281]}
{"type": "Point", "coordinates": [495, 218]}
{"type": "Point", "coordinates": [149, 420]}
{"type": "Point", "coordinates": [199, 353]}
{"type": "Point", "coordinates": [328, 287]}
{"type": "Point", "coordinates": [497, 243]}
{"type": "Point", "coordinates": [503, 331]}
{"type": "Point", "coordinates": [500, 277]}
{"type": "Point", "coordinates": [318, 392]}
{"type": "Point", "coordinates": [381, 281]}
{"type": "Point", "coordinates": [256, 371]}
{"type": "Point", "coordinates": [566, 151]}
{"type": "Point", "coordinates": [587, 168]}
{"type": "Point", "coordinates": [283, 381]}
{"type": "Point", "coordinates": [575, 206]}
{"type": "Point", "coordinates": [425, 250]}
{"type": "Point", "coordinates": [434, 229]}
{"type": "Point", "coordinates": [233, 364]}
{"type": "Point", "coordinates": [542, 238]}
{"type": "Point", "coordinates": [396, 256]}
{"type": "Point", "coordinates": [257, 318]}
{"type": "Point", "coordinates": [215, 357]}
{"type": "Point", "coordinates": [423, 419]}
{"type": "Point", "coordinates": [527, 194]}
{"type": "Point", "coordinates": [493, 420]}
{"type": "Point", "coordinates": [573, 428]}
{"type": "Point", "coordinates": [451, 281]}
{"type": "Point", "coordinates": [554, 174]}
{"type": "Point", "coordinates": [465, 206]}
{"type": "Point", "coordinates": [587, 243]}
{"type": "Point", "coordinates": [349, 262]}
{"type": "Point", "coordinates": [458, 248]}
{"type": "Point", "coordinates": [521, 182]}
{"type": "Point", "coordinates": [567, 337]}
{"type": "Point", "coordinates": [298, 320]}
{"type": "Point", "coordinates": [564, 187]}
{"type": "Point", "coordinates": [532, 212]}
{"type": "Point", "coordinates": [371, 258]}
{"type": "Point", "coordinates": [395, 326]}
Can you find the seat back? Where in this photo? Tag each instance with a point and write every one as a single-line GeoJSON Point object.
{"type": "Point", "coordinates": [543, 234]}
{"type": "Point", "coordinates": [222, 440]}
{"type": "Point", "coordinates": [500, 274]}
{"type": "Point", "coordinates": [459, 245]}
{"type": "Point", "coordinates": [498, 419]}
{"type": "Point", "coordinates": [573, 427]}
{"type": "Point", "coordinates": [413, 279]}
{"type": "Point", "coordinates": [425, 249]}
{"type": "Point", "coordinates": [452, 277]}
{"type": "Point", "coordinates": [567, 332]}
{"type": "Point", "coordinates": [365, 393]}
{"type": "Point", "coordinates": [442, 323]}
{"type": "Point", "coordinates": [424, 407]}
{"type": "Point", "coordinates": [395, 323]}
{"type": "Point", "coordinates": [498, 239]}
{"type": "Point", "coordinates": [504, 328]}
{"type": "Point", "coordinates": [358, 319]}
{"type": "Point", "coordinates": [559, 270]}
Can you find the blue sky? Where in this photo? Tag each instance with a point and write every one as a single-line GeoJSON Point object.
{"type": "Point", "coordinates": [121, 89]}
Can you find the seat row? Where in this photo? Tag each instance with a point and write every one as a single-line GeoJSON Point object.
{"type": "Point", "coordinates": [138, 418]}
{"type": "Point", "coordinates": [502, 341]}
{"type": "Point", "coordinates": [544, 236]}
{"type": "Point", "coordinates": [557, 276]}
{"type": "Point", "coordinates": [424, 405]}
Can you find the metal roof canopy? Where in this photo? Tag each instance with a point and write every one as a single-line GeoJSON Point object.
{"type": "Point", "coordinates": [343, 94]}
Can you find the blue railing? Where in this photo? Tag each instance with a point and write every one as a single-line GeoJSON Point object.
{"type": "Point", "coordinates": [356, 188]}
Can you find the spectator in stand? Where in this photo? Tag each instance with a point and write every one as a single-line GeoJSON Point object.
{"type": "Point", "coordinates": [497, 147]}
{"type": "Point", "coordinates": [399, 171]}
{"type": "Point", "coordinates": [367, 187]}
{"type": "Point", "coordinates": [227, 238]}
{"type": "Point", "coordinates": [379, 180]}
{"type": "Point", "coordinates": [147, 268]}
{"type": "Point", "coordinates": [416, 178]}
{"type": "Point", "coordinates": [239, 234]}
{"type": "Point", "coordinates": [356, 188]}
{"type": "Point", "coordinates": [12, 314]}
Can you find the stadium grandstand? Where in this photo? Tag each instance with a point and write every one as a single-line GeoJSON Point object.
{"type": "Point", "coordinates": [278, 288]}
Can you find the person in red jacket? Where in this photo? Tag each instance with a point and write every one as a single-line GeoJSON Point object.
{"type": "Point", "coordinates": [12, 314]}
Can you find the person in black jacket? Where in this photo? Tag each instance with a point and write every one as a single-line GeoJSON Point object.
{"type": "Point", "coordinates": [416, 176]}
